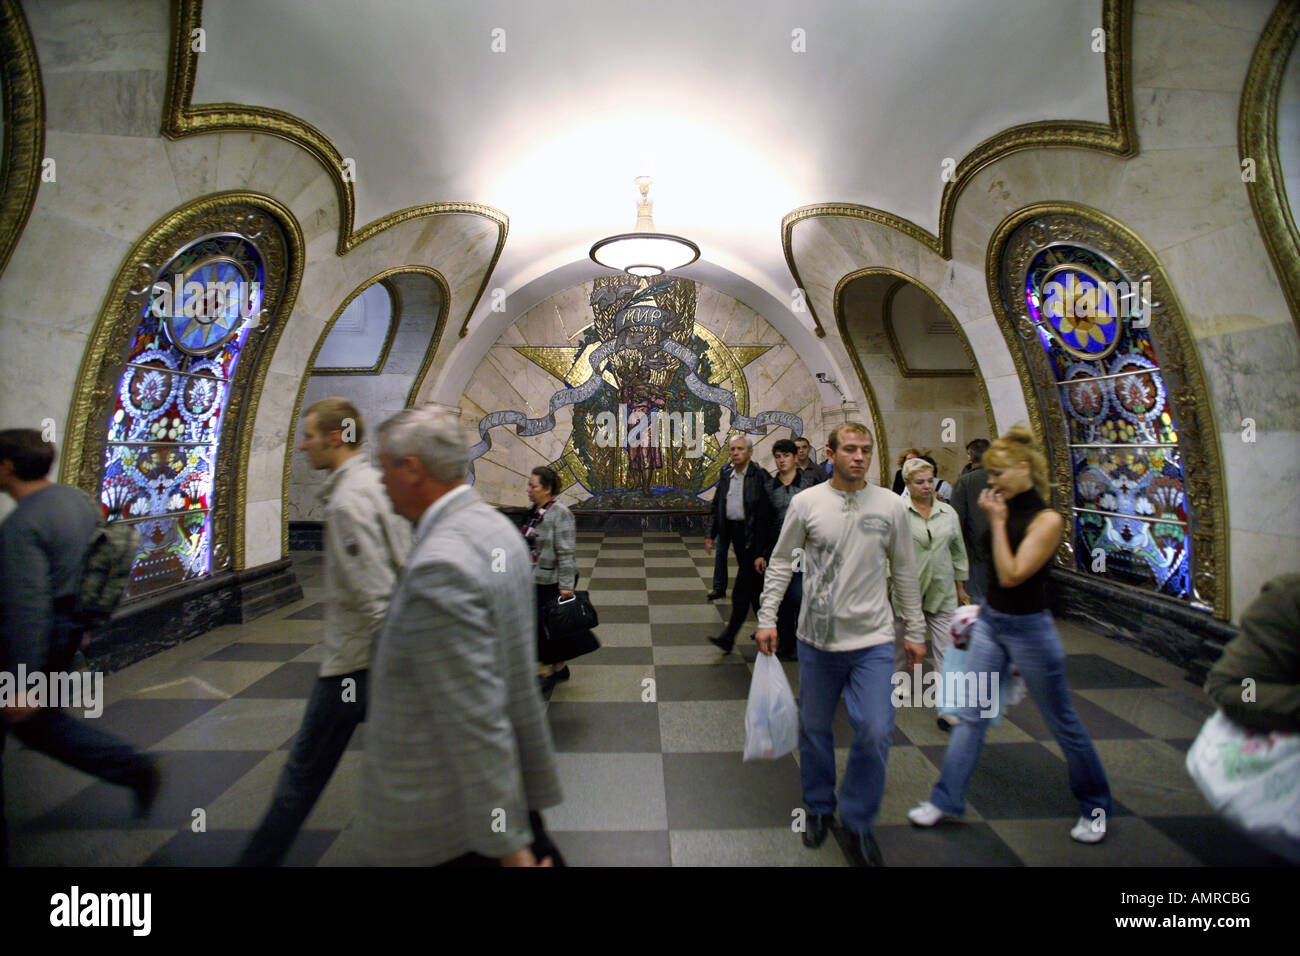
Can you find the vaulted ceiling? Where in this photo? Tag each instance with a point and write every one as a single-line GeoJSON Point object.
{"type": "Point", "coordinates": [742, 110]}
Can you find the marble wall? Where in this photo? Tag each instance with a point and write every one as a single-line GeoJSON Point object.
{"type": "Point", "coordinates": [778, 380]}
{"type": "Point", "coordinates": [1184, 196]}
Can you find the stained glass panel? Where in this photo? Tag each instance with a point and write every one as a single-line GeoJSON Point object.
{"type": "Point", "coordinates": [167, 415]}
{"type": "Point", "coordinates": [1131, 515]}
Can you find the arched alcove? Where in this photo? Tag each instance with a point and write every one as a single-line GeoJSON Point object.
{"type": "Point", "coordinates": [401, 315]}
{"type": "Point", "coordinates": [915, 364]}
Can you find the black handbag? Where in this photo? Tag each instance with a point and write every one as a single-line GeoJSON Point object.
{"type": "Point", "coordinates": [567, 629]}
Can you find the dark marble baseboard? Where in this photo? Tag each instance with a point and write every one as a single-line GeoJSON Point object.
{"type": "Point", "coordinates": [1190, 638]}
{"type": "Point", "coordinates": [306, 536]}
{"type": "Point", "coordinates": [142, 628]}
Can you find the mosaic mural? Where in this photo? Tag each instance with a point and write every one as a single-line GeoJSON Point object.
{"type": "Point", "coordinates": [648, 386]}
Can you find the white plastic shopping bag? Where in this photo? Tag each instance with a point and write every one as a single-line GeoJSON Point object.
{"type": "Point", "coordinates": [1251, 779]}
{"type": "Point", "coordinates": [771, 720]}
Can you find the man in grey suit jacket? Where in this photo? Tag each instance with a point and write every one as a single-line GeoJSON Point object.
{"type": "Point", "coordinates": [458, 751]}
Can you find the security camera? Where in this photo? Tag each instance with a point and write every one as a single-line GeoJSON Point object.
{"type": "Point", "coordinates": [825, 379]}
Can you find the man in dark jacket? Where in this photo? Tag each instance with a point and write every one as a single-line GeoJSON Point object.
{"type": "Point", "coordinates": [974, 522]}
{"type": "Point", "coordinates": [720, 559]}
{"type": "Point", "coordinates": [813, 473]}
{"type": "Point", "coordinates": [1266, 652]}
{"type": "Point", "coordinates": [740, 508]}
{"type": "Point", "coordinates": [43, 544]}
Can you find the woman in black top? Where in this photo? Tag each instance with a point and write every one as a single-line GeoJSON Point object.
{"type": "Point", "coordinates": [1015, 627]}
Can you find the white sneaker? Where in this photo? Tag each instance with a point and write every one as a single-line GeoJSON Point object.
{"type": "Point", "coordinates": [1089, 831]}
{"type": "Point", "coordinates": [926, 815]}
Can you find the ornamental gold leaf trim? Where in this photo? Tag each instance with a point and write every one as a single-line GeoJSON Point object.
{"type": "Point", "coordinates": [24, 127]}
{"type": "Point", "coordinates": [181, 118]}
{"type": "Point", "coordinates": [1257, 140]}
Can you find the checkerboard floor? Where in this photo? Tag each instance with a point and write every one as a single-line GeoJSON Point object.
{"type": "Point", "coordinates": [649, 733]}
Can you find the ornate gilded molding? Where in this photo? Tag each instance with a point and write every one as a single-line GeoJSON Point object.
{"type": "Point", "coordinates": [1118, 137]}
{"type": "Point", "coordinates": [887, 319]}
{"type": "Point", "coordinates": [394, 318]}
{"type": "Point", "coordinates": [1017, 238]}
{"type": "Point", "coordinates": [435, 340]}
{"type": "Point", "coordinates": [1257, 140]}
{"type": "Point", "coordinates": [281, 243]}
{"type": "Point", "coordinates": [882, 441]}
{"type": "Point", "coordinates": [24, 126]}
{"type": "Point", "coordinates": [182, 118]}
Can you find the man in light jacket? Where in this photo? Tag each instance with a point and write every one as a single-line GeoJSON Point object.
{"type": "Point", "coordinates": [365, 544]}
{"type": "Point", "coordinates": [849, 537]}
{"type": "Point", "coordinates": [457, 750]}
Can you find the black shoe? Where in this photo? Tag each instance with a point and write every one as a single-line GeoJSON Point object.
{"type": "Point", "coordinates": [819, 825]}
{"type": "Point", "coordinates": [716, 595]}
{"type": "Point", "coordinates": [546, 685]}
{"type": "Point", "coordinates": [146, 788]}
{"type": "Point", "coordinates": [562, 674]}
{"type": "Point", "coordinates": [863, 849]}
{"type": "Point", "coordinates": [946, 723]}
{"type": "Point", "coordinates": [723, 642]}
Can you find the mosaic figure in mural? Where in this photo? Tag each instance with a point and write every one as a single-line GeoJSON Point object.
{"type": "Point", "coordinates": [1130, 503]}
{"type": "Point", "coordinates": [645, 382]}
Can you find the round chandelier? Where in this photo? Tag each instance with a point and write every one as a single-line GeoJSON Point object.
{"type": "Point", "coordinates": [644, 252]}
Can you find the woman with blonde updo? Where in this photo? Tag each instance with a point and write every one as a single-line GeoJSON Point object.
{"type": "Point", "coordinates": [1015, 627]}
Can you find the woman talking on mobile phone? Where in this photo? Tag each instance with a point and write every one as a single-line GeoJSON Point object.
{"type": "Point", "coordinates": [1015, 627]}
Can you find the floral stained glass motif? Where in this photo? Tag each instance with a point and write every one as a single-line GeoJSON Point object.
{"type": "Point", "coordinates": [167, 417]}
{"type": "Point", "coordinates": [1130, 510]}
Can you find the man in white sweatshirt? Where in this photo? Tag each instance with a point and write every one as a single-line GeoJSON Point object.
{"type": "Point", "coordinates": [848, 538]}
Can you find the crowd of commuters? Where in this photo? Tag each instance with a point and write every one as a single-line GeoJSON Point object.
{"type": "Point", "coordinates": [439, 651]}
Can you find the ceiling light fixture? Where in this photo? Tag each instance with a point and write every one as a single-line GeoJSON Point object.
{"type": "Point", "coordinates": [644, 252]}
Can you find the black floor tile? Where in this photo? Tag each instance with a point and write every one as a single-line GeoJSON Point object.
{"type": "Point", "coordinates": [675, 552]}
{"type": "Point", "coordinates": [684, 635]}
{"type": "Point", "coordinates": [677, 594]}
{"type": "Point", "coordinates": [948, 844]}
{"type": "Point", "coordinates": [240, 651]}
{"type": "Point", "coordinates": [723, 681]}
{"type": "Point", "coordinates": [1100, 723]}
{"type": "Point", "coordinates": [616, 545]}
{"type": "Point", "coordinates": [1091, 672]}
{"type": "Point", "coordinates": [1214, 841]}
{"type": "Point", "coordinates": [142, 722]}
{"type": "Point", "coordinates": [690, 573]}
{"type": "Point", "coordinates": [313, 612]}
{"type": "Point", "coordinates": [286, 682]}
{"type": "Point", "coordinates": [1018, 781]}
{"type": "Point", "coordinates": [222, 848]}
{"type": "Point", "coordinates": [623, 614]}
{"type": "Point", "coordinates": [619, 655]}
{"type": "Point", "coordinates": [617, 583]}
{"type": "Point", "coordinates": [190, 778]}
{"type": "Point", "coordinates": [604, 563]}
{"type": "Point", "coordinates": [1183, 744]}
{"type": "Point", "coordinates": [716, 791]}
{"type": "Point", "coordinates": [604, 727]}
{"type": "Point", "coordinates": [614, 847]}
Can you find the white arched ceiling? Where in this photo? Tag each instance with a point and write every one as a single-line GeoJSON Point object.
{"type": "Point", "coordinates": [742, 110]}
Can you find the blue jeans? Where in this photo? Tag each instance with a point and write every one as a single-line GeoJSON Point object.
{"type": "Point", "coordinates": [327, 726]}
{"type": "Point", "coordinates": [1030, 642]}
{"type": "Point", "coordinates": [77, 744]}
{"type": "Point", "coordinates": [864, 678]}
